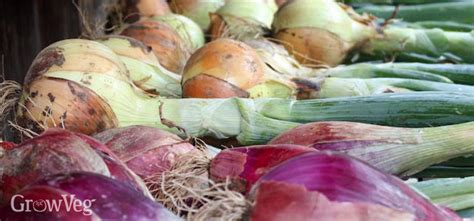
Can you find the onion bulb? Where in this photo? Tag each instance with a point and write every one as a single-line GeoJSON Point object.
{"type": "Point", "coordinates": [319, 31]}
{"type": "Point", "coordinates": [229, 68]}
{"type": "Point", "coordinates": [326, 32]}
{"type": "Point", "coordinates": [197, 10]}
{"type": "Point", "coordinates": [242, 19]}
{"type": "Point", "coordinates": [146, 150]}
{"type": "Point", "coordinates": [189, 31]}
{"type": "Point", "coordinates": [143, 66]}
{"type": "Point", "coordinates": [170, 49]}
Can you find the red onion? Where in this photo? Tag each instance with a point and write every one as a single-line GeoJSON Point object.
{"type": "Point", "coordinates": [246, 164]}
{"type": "Point", "coordinates": [147, 151]}
{"type": "Point", "coordinates": [344, 179]}
{"type": "Point", "coordinates": [94, 197]}
{"type": "Point", "coordinates": [58, 151]}
{"type": "Point", "coordinates": [395, 150]}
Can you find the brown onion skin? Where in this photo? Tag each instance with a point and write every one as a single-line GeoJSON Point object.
{"type": "Point", "coordinates": [222, 68]}
{"type": "Point", "coordinates": [57, 102]}
{"type": "Point", "coordinates": [310, 50]}
{"type": "Point", "coordinates": [135, 9]}
{"type": "Point", "coordinates": [166, 43]}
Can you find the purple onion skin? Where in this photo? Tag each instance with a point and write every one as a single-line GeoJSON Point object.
{"type": "Point", "coordinates": [345, 179]}
{"type": "Point", "coordinates": [113, 200]}
{"type": "Point", "coordinates": [147, 151]}
{"type": "Point", "coordinates": [245, 165]}
{"type": "Point", "coordinates": [54, 151]}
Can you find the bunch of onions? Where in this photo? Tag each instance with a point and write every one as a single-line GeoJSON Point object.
{"type": "Point", "coordinates": [325, 32]}
{"type": "Point", "coordinates": [58, 151]}
{"type": "Point", "coordinates": [399, 151]}
{"type": "Point", "coordinates": [167, 45]}
{"type": "Point", "coordinates": [144, 68]}
{"type": "Point", "coordinates": [189, 31]}
{"type": "Point", "coordinates": [135, 10]}
{"type": "Point", "coordinates": [83, 86]}
{"type": "Point", "coordinates": [325, 186]}
{"type": "Point", "coordinates": [242, 19]}
{"type": "Point", "coordinates": [197, 10]}
{"type": "Point", "coordinates": [83, 196]}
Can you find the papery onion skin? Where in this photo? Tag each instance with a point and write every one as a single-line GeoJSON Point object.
{"type": "Point", "coordinates": [244, 165]}
{"type": "Point", "coordinates": [147, 151]}
{"type": "Point", "coordinates": [168, 46]}
{"type": "Point", "coordinates": [345, 179]}
{"type": "Point", "coordinates": [235, 67]}
{"type": "Point", "coordinates": [112, 199]}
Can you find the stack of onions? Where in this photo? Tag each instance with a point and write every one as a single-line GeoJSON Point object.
{"type": "Point", "coordinates": [197, 10]}
{"type": "Point", "coordinates": [189, 31]}
{"type": "Point", "coordinates": [324, 32]}
{"type": "Point", "coordinates": [242, 19]}
{"type": "Point", "coordinates": [168, 46]}
{"type": "Point", "coordinates": [83, 86]}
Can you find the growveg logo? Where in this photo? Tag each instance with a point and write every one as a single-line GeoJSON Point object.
{"type": "Point", "coordinates": [67, 202]}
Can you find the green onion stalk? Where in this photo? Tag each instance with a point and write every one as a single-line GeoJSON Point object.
{"type": "Point", "coordinates": [242, 19]}
{"type": "Point", "coordinates": [83, 86]}
{"type": "Point", "coordinates": [444, 25]}
{"type": "Point", "coordinates": [453, 11]}
{"type": "Point", "coordinates": [454, 193]}
{"type": "Point", "coordinates": [325, 32]}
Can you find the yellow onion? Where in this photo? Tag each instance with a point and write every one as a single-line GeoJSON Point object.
{"type": "Point", "coordinates": [326, 32]}
{"type": "Point", "coordinates": [197, 10]}
{"type": "Point", "coordinates": [320, 31]}
{"type": "Point", "coordinates": [242, 19]}
{"type": "Point", "coordinates": [165, 42]}
{"type": "Point", "coordinates": [229, 68]}
{"type": "Point", "coordinates": [55, 101]}
{"type": "Point", "coordinates": [143, 66]}
{"type": "Point", "coordinates": [189, 31]}
{"type": "Point", "coordinates": [133, 10]}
